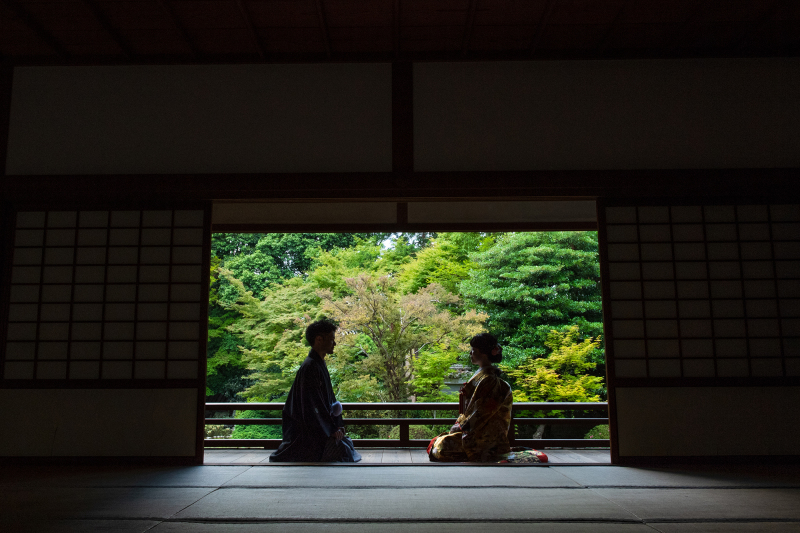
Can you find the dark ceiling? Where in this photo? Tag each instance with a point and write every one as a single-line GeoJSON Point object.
{"type": "Point", "coordinates": [201, 31]}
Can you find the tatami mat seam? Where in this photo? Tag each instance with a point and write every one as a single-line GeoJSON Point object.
{"type": "Point", "coordinates": [193, 503]}
{"type": "Point", "coordinates": [625, 509]}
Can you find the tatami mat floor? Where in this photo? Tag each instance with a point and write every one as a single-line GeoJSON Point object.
{"type": "Point", "coordinates": [398, 498]}
{"type": "Point", "coordinates": [396, 456]}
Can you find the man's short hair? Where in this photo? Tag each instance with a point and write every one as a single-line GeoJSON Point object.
{"type": "Point", "coordinates": [320, 327]}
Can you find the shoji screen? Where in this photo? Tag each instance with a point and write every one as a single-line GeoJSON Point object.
{"type": "Point", "coordinates": [705, 301]}
{"type": "Point", "coordinates": [109, 301]}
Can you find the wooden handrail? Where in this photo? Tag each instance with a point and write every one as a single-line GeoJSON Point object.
{"type": "Point", "coordinates": [410, 421]}
{"type": "Point", "coordinates": [404, 423]}
{"type": "Point", "coordinates": [415, 406]}
{"type": "Point", "coordinates": [271, 444]}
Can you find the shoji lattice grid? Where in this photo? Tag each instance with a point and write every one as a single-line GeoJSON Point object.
{"type": "Point", "coordinates": [711, 291]}
{"type": "Point", "coordinates": [105, 295]}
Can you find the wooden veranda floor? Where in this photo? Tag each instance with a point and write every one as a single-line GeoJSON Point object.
{"type": "Point", "coordinates": [395, 456]}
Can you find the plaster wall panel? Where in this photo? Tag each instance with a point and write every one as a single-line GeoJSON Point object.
{"type": "Point", "coordinates": [304, 213]}
{"type": "Point", "coordinates": [493, 212]}
{"type": "Point", "coordinates": [200, 119]}
{"type": "Point", "coordinates": [560, 115]}
{"type": "Point", "coordinates": [99, 422]}
{"type": "Point", "coordinates": [706, 421]}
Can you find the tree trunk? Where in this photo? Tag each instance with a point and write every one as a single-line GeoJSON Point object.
{"type": "Point", "coordinates": [539, 431]}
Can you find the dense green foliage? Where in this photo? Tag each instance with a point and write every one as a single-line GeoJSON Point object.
{"type": "Point", "coordinates": [599, 432]}
{"type": "Point", "coordinates": [226, 370]}
{"type": "Point", "coordinates": [562, 375]}
{"type": "Point", "coordinates": [391, 330]}
{"type": "Point", "coordinates": [256, 260]}
{"type": "Point", "coordinates": [257, 431]}
{"type": "Point", "coordinates": [531, 283]}
{"type": "Point", "coordinates": [406, 305]}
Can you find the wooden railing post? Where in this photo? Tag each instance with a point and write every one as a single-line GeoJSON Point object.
{"type": "Point", "coordinates": [404, 434]}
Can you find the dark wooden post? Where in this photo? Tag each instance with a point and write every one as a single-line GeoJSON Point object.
{"type": "Point", "coordinates": [404, 437]}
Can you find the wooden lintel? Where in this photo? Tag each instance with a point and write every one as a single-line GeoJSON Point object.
{"type": "Point", "coordinates": [723, 184]}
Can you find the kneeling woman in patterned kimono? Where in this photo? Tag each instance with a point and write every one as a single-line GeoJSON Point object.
{"type": "Point", "coordinates": [480, 433]}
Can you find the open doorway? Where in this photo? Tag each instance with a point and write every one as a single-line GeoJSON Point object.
{"type": "Point", "coordinates": [538, 292]}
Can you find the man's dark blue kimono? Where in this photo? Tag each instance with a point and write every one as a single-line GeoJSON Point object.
{"type": "Point", "coordinates": [308, 425]}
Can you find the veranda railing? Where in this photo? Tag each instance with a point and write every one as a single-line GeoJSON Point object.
{"type": "Point", "coordinates": [600, 408]}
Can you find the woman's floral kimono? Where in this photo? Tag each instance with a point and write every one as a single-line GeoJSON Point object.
{"type": "Point", "coordinates": [484, 418]}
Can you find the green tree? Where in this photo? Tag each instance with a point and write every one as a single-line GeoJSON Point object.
{"type": "Point", "coordinates": [332, 268]}
{"type": "Point", "coordinates": [562, 376]}
{"type": "Point", "coordinates": [226, 371]}
{"type": "Point", "coordinates": [257, 261]}
{"type": "Point", "coordinates": [278, 256]}
{"type": "Point", "coordinates": [397, 299]}
{"type": "Point", "coordinates": [429, 370]}
{"type": "Point", "coordinates": [256, 271]}
{"type": "Point", "coordinates": [530, 283]}
{"type": "Point", "coordinates": [271, 333]}
{"type": "Point", "coordinates": [226, 375]}
{"type": "Point", "coordinates": [445, 261]}
{"type": "Point", "coordinates": [398, 327]}
{"type": "Point", "coordinates": [402, 248]}
{"type": "Point", "coordinates": [242, 431]}
{"type": "Point", "coordinates": [294, 253]}
{"type": "Point", "coordinates": [225, 245]}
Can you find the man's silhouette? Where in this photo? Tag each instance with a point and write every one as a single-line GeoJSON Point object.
{"type": "Point", "coordinates": [313, 429]}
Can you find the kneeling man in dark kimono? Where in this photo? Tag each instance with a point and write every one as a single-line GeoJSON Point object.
{"type": "Point", "coordinates": [313, 429]}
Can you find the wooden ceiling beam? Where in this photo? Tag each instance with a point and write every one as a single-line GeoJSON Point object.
{"type": "Point", "coordinates": [252, 29]}
{"type": "Point", "coordinates": [110, 30]}
{"type": "Point", "coordinates": [693, 13]}
{"type": "Point", "coordinates": [688, 185]}
{"type": "Point", "coordinates": [602, 44]}
{"type": "Point", "coordinates": [537, 34]}
{"type": "Point", "coordinates": [38, 41]}
{"type": "Point", "coordinates": [763, 21]}
{"type": "Point", "coordinates": [396, 28]}
{"type": "Point", "coordinates": [35, 26]}
{"type": "Point", "coordinates": [469, 24]}
{"type": "Point", "coordinates": [179, 28]}
{"type": "Point", "coordinates": [787, 50]}
{"type": "Point", "coordinates": [323, 26]}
